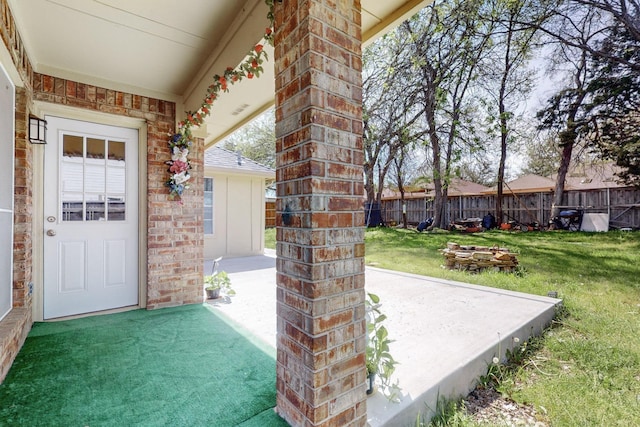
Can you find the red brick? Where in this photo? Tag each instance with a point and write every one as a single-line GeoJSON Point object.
{"type": "Point", "coordinates": [318, 106]}
{"type": "Point", "coordinates": [332, 321]}
{"type": "Point", "coordinates": [48, 84]}
{"type": "Point", "coordinates": [71, 89]}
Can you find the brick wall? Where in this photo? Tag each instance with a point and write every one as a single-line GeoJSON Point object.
{"type": "Point", "coordinates": [15, 327]}
{"type": "Point", "coordinates": [17, 324]}
{"type": "Point", "coordinates": [176, 231]}
{"type": "Point", "coordinates": [23, 205]}
{"type": "Point", "coordinates": [320, 267]}
{"type": "Point", "coordinates": [14, 44]}
{"type": "Point", "coordinates": [175, 245]}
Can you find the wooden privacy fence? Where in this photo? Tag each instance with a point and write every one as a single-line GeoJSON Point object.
{"type": "Point", "coordinates": [270, 214]}
{"type": "Point", "coordinates": [622, 205]}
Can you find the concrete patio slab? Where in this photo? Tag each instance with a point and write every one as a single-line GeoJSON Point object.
{"type": "Point", "coordinates": [445, 333]}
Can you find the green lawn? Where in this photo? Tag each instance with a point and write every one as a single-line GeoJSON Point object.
{"type": "Point", "coordinates": [586, 371]}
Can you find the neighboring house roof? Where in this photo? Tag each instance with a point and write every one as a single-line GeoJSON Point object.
{"type": "Point", "coordinates": [457, 187]}
{"type": "Point", "coordinates": [592, 177]}
{"type": "Point", "coordinates": [526, 184]}
{"type": "Point", "coordinates": [222, 160]}
{"type": "Point", "coordinates": [460, 187]}
{"type": "Point", "coordinates": [389, 194]}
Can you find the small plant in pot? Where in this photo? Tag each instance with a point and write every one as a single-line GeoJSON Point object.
{"type": "Point", "coordinates": [218, 283]}
{"type": "Point", "coordinates": [380, 363]}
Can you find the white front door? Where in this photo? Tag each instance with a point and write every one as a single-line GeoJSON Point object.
{"type": "Point", "coordinates": [90, 218]}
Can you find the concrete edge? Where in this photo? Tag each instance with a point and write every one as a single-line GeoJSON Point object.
{"type": "Point", "coordinates": [498, 291]}
{"type": "Point", "coordinates": [462, 381]}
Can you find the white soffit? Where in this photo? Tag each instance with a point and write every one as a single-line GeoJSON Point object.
{"type": "Point", "coordinates": [150, 47]}
{"type": "Point", "coordinates": [253, 97]}
{"type": "Point", "coordinates": [168, 49]}
{"type": "Point", "coordinates": [378, 17]}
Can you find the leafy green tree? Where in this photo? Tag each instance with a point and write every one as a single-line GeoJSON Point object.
{"type": "Point", "coordinates": [256, 140]}
{"type": "Point", "coordinates": [507, 77]}
{"type": "Point", "coordinates": [447, 42]}
{"type": "Point", "coordinates": [601, 41]}
{"type": "Point", "coordinates": [389, 116]}
{"type": "Point", "coordinates": [405, 168]}
{"type": "Point", "coordinates": [565, 112]}
{"type": "Point", "coordinates": [542, 155]}
{"type": "Point", "coordinates": [614, 97]}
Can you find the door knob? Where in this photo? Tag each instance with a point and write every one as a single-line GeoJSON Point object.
{"type": "Point", "coordinates": [51, 232]}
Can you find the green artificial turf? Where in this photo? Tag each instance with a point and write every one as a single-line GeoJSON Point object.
{"type": "Point", "coordinates": [183, 366]}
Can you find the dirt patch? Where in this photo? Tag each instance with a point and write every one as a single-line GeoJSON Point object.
{"type": "Point", "coordinates": [487, 406]}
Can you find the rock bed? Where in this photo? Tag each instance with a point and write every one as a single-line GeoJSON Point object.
{"type": "Point", "coordinates": [479, 258]}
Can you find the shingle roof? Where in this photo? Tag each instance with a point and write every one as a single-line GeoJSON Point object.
{"type": "Point", "coordinates": [526, 184]}
{"type": "Point", "coordinates": [593, 176]}
{"type": "Point", "coordinates": [457, 187]}
{"type": "Point", "coordinates": [220, 158]}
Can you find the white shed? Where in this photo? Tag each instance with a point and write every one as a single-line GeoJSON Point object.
{"type": "Point", "coordinates": [234, 207]}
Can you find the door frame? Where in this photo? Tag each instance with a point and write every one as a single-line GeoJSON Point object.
{"type": "Point", "coordinates": [42, 109]}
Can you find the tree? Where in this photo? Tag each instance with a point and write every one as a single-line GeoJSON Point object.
{"type": "Point", "coordinates": [601, 38]}
{"type": "Point", "coordinates": [404, 169]}
{"type": "Point", "coordinates": [615, 15]}
{"type": "Point", "coordinates": [542, 154]}
{"type": "Point", "coordinates": [614, 96]}
{"type": "Point", "coordinates": [447, 41]}
{"type": "Point", "coordinates": [256, 140]}
{"type": "Point", "coordinates": [388, 113]}
{"type": "Point", "coordinates": [508, 77]}
{"type": "Point", "coordinates": [480, 170]}
{"type": "Point", "coordinates": [565, 112]}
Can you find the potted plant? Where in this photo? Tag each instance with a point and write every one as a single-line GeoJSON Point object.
{"type": "Point", "coordinates": [380, 363]}
{"type": "Point", "coordinates": [217, 283]}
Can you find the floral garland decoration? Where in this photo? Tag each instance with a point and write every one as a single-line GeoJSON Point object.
{"type": "Point", "coordinates": [179, 165]}
{"type": "Point", "coordinates": [180, 141]}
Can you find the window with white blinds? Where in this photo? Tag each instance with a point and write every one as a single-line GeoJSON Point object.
{"type": "Point", "coordinates": [209, 225]}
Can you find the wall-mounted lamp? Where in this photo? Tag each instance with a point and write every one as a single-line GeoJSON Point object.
{"type": "Point", "coordinates": [37, 130]}
{"type": "Point", "coordinates": [287, 216]}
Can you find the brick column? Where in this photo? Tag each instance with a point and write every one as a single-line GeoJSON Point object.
{"type": "Point", "coordinates": [320, 217]}
{"type": "Point", "coordinates": [23, 203]}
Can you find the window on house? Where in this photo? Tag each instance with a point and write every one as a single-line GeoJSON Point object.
{"type": "Point", "coordinates": [208, 206]}
{"type": "Point", "coordinates": [6, 192]}
{"type": "Point", "coordinates": [93, 179]}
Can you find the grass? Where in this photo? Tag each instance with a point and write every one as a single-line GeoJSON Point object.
{"type": "Point", "coordinates": [586, 370]}
{"type": "Point", "coordinates": [270, 238]}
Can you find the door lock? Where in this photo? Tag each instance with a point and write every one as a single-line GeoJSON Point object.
{"type": "Point", "coordinates": [51, 232]}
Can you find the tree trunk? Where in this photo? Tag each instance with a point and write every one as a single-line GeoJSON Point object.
{"type": "Point", "coordinates": [400, 183]}
{"type": "Point", "coordinates": [567, 140]}
{"type": "Point", "coordinates": [368, 184]}
{"type": "Point", "coordinates": [558, 193]}
{"type": "Point", "coordinates": [504, 130]}
{"type": "Point", "coordinates": [503, 161]}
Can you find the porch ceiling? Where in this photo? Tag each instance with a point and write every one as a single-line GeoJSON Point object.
{"type": "Point", "coordinates": [168, 49]}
